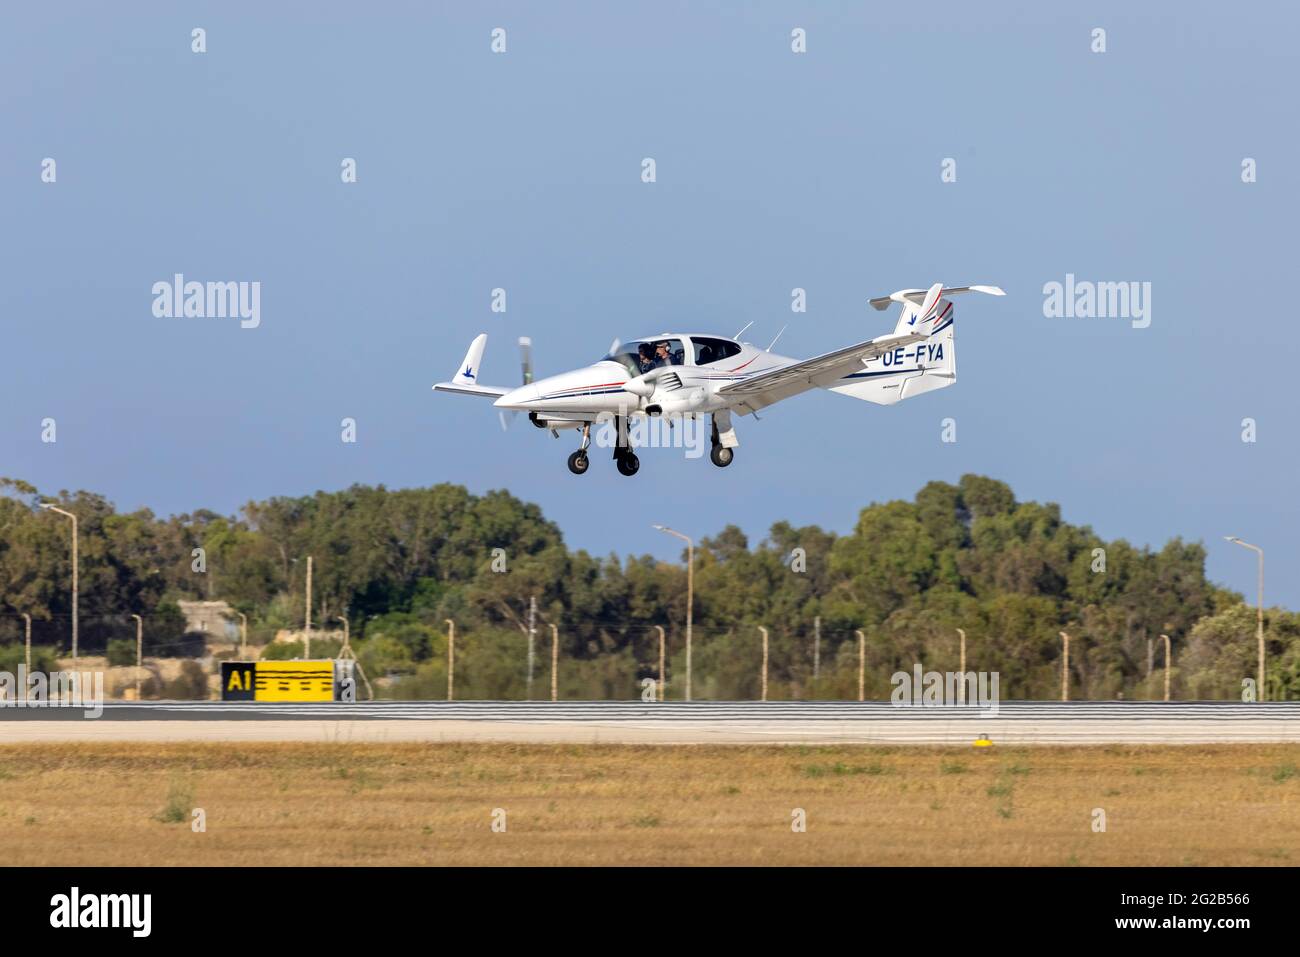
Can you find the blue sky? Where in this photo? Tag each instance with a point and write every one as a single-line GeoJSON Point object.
{"type": "Point", "coordinates": [774, 171]}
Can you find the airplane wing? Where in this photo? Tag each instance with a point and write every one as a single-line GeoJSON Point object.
{"type": "Point", "coordinates": [768, 387]}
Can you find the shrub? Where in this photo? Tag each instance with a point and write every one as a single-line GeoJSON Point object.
{"type": "Point", "coordinates": [190, 685]}
{"type": "Point", "coordinates": [14, 654]}
{"type": "Point", "coordinates": [121, 651]}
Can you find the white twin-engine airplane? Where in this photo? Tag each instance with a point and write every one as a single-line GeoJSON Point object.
{"type": "Point", "coordinates": [689, 375]}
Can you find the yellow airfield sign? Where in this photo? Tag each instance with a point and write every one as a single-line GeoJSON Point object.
{"type": "Point", "coordinates": [277, 680]}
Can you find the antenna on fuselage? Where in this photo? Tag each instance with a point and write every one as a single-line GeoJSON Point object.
{"type": "Point", "coordinates": [778, 336]}
{"type": "Point", "coordinates": [742, 331]}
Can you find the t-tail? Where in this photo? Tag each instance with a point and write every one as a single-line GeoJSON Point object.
{"type": "Point", "coordinates": [465, 381]}
{"type": "Point", "coordinates": [928, 359]}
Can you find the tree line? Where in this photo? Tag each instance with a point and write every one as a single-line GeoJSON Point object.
{"type": "Point", "coordinates": [399, 563]}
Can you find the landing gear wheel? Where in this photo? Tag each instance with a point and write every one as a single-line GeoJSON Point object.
{"type": "Point", "coordinates": [578, 462]}
{"type": "Point", "coordinates": [721, 456]}
{"type": "Point", "coordinates": [628, 463]}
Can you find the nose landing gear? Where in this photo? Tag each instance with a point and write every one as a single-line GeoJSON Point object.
{"type": "Point", "coordinates": [721, 455]}
{"type": "Point", "coordinates": [624, 458]}
{"type": "Point", "coordinates": [578, 460]}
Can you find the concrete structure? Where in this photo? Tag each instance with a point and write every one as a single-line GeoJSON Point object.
{"type": "Point", "coordinates": [215, 618]}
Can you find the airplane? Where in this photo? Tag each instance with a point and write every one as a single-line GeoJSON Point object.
{"type": "Point", "coordinates": [693, 375]}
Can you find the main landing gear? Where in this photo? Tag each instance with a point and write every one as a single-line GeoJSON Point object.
{"type": "Point", "coordinates": [624, 458]}
{"type": "Point", "coordinates": [627, 463]}
{"type": "Point", "coordinates": [720, 455]}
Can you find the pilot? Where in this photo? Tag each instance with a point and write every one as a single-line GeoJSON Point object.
{"type": "Point", "coordinates": [645, 359]}
{"type": "Point", "coordinates": [662, 356]}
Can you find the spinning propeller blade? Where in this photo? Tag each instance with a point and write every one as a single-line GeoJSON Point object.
{"type": "Point", "coordinates": [526, 369]}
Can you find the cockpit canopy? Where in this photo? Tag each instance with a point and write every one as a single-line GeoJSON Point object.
{"type": "Point", "coordinates": [641, 355]}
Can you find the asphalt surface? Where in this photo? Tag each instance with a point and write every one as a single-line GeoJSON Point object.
{"type": "Point", "coordinates": [675, 722]}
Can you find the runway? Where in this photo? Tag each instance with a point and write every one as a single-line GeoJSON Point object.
{"type": "Point", "coordinates": [635, 722]}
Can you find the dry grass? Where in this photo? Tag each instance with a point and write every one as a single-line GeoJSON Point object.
{"type": "Point", "coordinates": [349, 804]}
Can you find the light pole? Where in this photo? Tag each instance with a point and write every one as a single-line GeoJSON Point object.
{"type": "Point", "coordinates": [532, 643]}
{"type": "Point", "coordinates": [346, 635]}
{"type": "Point", "coordinates": [862, 666]}
{"type": "Point", "coordinates": [306, 651]}
{"type": "Point", "coordinates": [1168, 656]}
{"type": "Point", "coordinates": [555, 659]}
{"type": "Point", "coordinates": [1259, 612]}
{"type": "Point", "coordinates": [817, 649]}
{"type": "Point", "coordinates": [660, 629]}
{"type": "Point", "coordinates": [1065, 668]}
{"type": "Point", "coordinates": [690, 596]}
{"type": "Point", "coordinates": [961, 684]}
{"type": "Point", "coordinates": [764, 631]}
{"type": "Point", "coordinates": [55, 508]}
{"type": "Point", "coordinates": [139, 652]}
{"type": "Point", "coordinates": [27, 642]}
{"type": "Point", "coordinates": [451, 659]}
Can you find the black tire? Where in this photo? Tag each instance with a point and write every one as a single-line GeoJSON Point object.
{"type": "Point", "coordinates": [628, 463]}
{"type": "Point", "coordinates": [721, 456]}
{"type": "Point", "coordinates": [578, 462]}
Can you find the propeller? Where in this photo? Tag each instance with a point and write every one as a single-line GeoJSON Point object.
{"type": "Point", "coordinates": [526, 358]}
{"type": "Point", "coordinates": [526, 369]}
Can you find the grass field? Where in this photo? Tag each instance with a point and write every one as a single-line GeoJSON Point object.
{"type": "Point", "coordinates": [350, 804]}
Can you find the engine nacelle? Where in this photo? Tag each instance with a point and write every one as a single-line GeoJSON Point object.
{"type": "Point", "coordinates": [677, 402]}
{"type": "Point", "coordinates": [555, 423]}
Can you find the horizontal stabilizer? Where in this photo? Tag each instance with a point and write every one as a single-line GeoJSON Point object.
{"type": "Point", "coordinates": [486, 390]}
{"type": "Point", "coordinates": [917, 296]}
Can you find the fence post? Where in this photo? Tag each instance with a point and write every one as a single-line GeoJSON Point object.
{"type": "Point", "coordinates": [660, 629]}
{"type": "Point", "coordinates": [862, 663]}
{"type": "Point", "coordinates": [555, 657]}
{"type": "Point", "coordinates": [1168, 656]}
{"type": "Point", "coordinates": [1065, 668]}
{"type": "Point", "coordinates": [451, 659]}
